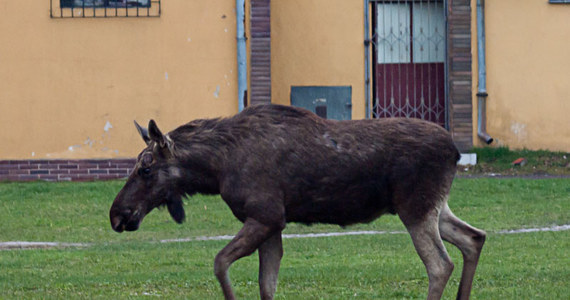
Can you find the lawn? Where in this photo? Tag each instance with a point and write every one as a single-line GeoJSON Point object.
{"type": "Point", "coordinates": [137, 265]}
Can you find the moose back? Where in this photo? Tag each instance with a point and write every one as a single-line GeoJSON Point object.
{"type": "Point", "coordinates": [276, 164]}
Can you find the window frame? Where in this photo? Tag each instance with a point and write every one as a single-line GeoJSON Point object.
{"type": "Point", "coordinates": [104, 4]}
{"type": "Point", "coordinates": [61, 9]}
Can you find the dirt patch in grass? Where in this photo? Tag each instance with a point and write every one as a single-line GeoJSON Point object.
{"type": "Point", "coordinates": [505, 162]}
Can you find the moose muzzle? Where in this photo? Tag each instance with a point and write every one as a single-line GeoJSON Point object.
{"type": "Point", "coordinates": [125, 219]}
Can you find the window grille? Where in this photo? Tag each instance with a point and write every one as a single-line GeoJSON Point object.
{"type": "Point", "coordinates": [104, 8]}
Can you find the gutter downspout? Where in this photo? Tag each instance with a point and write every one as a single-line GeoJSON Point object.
{"type": "Point", "coordinates": [241, 54]}
{"type": "Point", "coordinates": [367, 59]}
{"type": "Point", "coordinates": [482, 70]}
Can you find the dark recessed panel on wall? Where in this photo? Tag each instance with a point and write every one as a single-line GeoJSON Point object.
{"type": "Point", "coordinates": [330, 102]}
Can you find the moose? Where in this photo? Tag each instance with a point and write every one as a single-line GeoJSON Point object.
{"type": "Point", "coordinates": [275, 164]}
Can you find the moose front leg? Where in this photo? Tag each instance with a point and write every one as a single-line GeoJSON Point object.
{"type": "Point", "coordinates": [248, 239]}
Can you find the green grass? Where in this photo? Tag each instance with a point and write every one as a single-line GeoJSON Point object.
{"type": "Point", "coordinates": [131, 265]}
{"type": "Point", "coordinates": [527, 266]}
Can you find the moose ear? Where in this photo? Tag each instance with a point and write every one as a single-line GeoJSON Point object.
{"type": "Point", "coordinates": [143, 132]}
{"type": "Point", "coordinates": [156, 134]}
{"type": "Point", "coordinates": [176, 208]}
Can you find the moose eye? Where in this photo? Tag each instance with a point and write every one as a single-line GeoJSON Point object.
{"type": "Point", "coordinates": [144, 172]}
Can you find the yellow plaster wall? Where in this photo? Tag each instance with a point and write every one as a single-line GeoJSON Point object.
{"type": "Point", "coordinates": [317, 42]}
{"type": "Point", "coordinates": [70, 88]}
{"type": "Point", "coordinates": [528, 73]}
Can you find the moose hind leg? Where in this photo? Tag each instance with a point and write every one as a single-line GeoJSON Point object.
{"type": "Point", "coordinates": [469, 240]}
{"type": "Point", "coordinates": [248, 239]}
{"type": "Point", "coordinates": [270, 254]}
{"type": "Point", "coordinates": [430, 248]}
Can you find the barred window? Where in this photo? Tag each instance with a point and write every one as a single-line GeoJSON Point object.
{"type": "Point", "coordinates": [104, 3]}
{"type": "Point", "coordinates": [104, 8]}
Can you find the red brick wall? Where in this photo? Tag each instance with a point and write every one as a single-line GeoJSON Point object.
{"type": "Point", "coordinates": [459, 72]}
{"type": "Point", "coordinates": [260, 41]}
{"type": "Point", "coordinates": [65, 170]}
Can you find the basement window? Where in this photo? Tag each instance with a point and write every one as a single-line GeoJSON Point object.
{"type": "Point", "coordinates": [104, 3]}
{"type": "Point", "coordinates": [104, 8]}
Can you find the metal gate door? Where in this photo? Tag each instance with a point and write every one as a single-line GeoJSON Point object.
{"type": "Point", "coordinates": [410, 60]}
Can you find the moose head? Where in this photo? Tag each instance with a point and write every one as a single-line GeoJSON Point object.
{"type": "Point", "coordinates": [153, 183]}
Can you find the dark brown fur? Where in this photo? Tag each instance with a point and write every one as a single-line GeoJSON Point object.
{"type": "Point", "coordinates": [276, 164]}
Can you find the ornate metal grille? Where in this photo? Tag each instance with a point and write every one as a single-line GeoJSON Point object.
{"type": "Point", "coordinates": [104, 8]}
{"type": "Point", "coordinates": [409, 69]}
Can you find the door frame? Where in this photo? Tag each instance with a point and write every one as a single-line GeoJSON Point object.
{"type": "Point", "coordinates": [459, 73]}
{"type": "Point", "coordinates": [374, 49]}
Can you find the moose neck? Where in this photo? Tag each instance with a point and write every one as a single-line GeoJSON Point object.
{"type": "Point", "coordinates": [200, 150]}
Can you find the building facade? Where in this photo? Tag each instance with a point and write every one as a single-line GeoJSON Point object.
{"type": "Point", "coordinates": [76, 73]}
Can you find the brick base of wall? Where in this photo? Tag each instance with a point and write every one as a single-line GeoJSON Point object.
{"type": "Point", "coordinates": [65, 170]}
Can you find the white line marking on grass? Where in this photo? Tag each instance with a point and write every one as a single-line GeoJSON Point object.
{"type": "Point", "coordinates": [19, 245]}
{"type": "Point", "coordinates": [38, 245]}
{"type": "Point", "coordinates": [349, 233]}
{"type": "Point", "coordinates": [285, 236]}
{"type": "Point", "coordinates": [527, 230]}
{"type": "Point", "coordinates": [200, 238]}
{"type": "Point", "coordinates": [329, 234]}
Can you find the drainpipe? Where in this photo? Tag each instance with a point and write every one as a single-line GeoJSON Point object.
{"type": "Point", "coordinates": [482, 84]}
{"type": "Point", "coordinates": [241, 54]}
{"type": "Point", "coordinates": [367, 58]}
